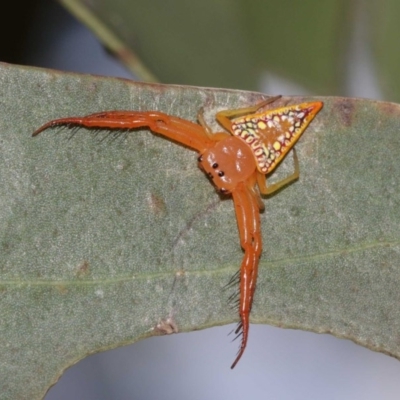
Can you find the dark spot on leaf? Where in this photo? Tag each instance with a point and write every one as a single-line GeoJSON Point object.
{"type": "Point", "coordinates": [389, 108]}
{"type": "Point", "coordinates": [345, 110]}
{"type": "Point", "coordinates": [83, 269]}
{"type": "Point", "coordinates": [61, 289]}
{"type": "Point", "coordinates": [156, 204]}
{"type": "Point", "coordinates": [92, 86]}
{"type": "Point", "coordinates": [295, 211]}
{"type": "Point", "coordinates": [166, 327]}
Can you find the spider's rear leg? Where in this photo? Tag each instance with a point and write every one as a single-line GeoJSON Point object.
{"type": "Point", "coordinates": [248, 219]}
{"type": "Point", "coordinates": [267, 190]}
{"type": "Point", "coordinates": [207, 130]}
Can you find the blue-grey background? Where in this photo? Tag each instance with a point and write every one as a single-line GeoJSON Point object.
{"type": "Point", "coordinates": [278, 364]}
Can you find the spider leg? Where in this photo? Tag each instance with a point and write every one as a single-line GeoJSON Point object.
{"type": "Point", "coordinates": [179, 130]}
{"type": "Point", "coordinates": [248, 219]}
{"type": "Point", "coordinates": [251, 184]}
{"type": "Point", "coordinates": [202, 122]}
{"type": "Point", "coordinates": [224, 117]}
{"type": "Point", "coordinates": [262, 182]}
{"type": "Point", "coordinates": [207, 130]}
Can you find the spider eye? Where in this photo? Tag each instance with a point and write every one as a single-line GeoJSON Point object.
{"type": "Point", "coordinates": [200, 158]}
{"type": "Point", "coordinates": [223, 191]}
{"type": "Point", "coordinates": [221, 173]}
{"type": "Point", "coordinates": [210, 175]}
{"type": "Point", "coordinates": [215, 165]}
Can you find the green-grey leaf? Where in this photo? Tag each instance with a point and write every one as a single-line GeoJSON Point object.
{"type": "Point", "coordinates": [102, 240]}
{"type": "Point", "coordinates": [225, 43]}
{"type": "Point", "coordinates": [384, 31]}
{"type": "Point", "coordinates": [300, 40]}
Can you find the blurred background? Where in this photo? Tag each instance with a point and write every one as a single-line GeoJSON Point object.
{"type": "Point", "coordinates": [328, 47]}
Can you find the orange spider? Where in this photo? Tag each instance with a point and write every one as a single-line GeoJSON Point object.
{"type": "Point", "coordinates": [236, 162]}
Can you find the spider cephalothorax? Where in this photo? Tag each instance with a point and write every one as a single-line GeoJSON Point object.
{"type": "Point", "coordinates": [228, 163]}
{"type": "Point", "coordinates": [236, 161]}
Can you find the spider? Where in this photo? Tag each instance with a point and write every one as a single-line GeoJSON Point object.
{"type": "Point", "coordinates": [236, 161]}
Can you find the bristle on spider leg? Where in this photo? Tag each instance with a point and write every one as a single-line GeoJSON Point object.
{"type": "Point", "coordinates": [104, 138]}
{"type": "Point", "coordinates": [71, 131]}
{"type": "Point", "coordinates": [234, 305]}
{"type": "Point", "coordinates": [54, 124]}
{"type": "Point", "coordinates": [235, 279]}
{"type": "Point", "coordinates": [123, 134]}
{"type": "Point", "coordinates": [96, 132]}
{"type": "Point", "coordinates": [239, 327]}
{"type": "Point", "coordinates": [237, 336]}
{"type": "Point", "coordinates": [61, 128]}
{"type": "Point", "coordinates": [72, 134]}
{"type": "Point", "coordinates": [237, 354]}
{"type": "Point", "coordinates": [236, 330]}
{"type": "Point", "coordinates": [116, 135]}
{"type": "Point", "coordinates": [67, 126]}
{"type": "Point", "coordinates": [109, 138]}
{"type": "Point", "coordinates": [236, 302]}
{"type": "Point", "coordinates": [231, 285]}
{"type": "Point", "coordinates": [233, 296]}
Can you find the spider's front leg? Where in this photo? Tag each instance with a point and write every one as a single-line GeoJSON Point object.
{"type": "Point", "coordinates": [179, 130]}
{"type": "Point", "coordinates": [248, 219]}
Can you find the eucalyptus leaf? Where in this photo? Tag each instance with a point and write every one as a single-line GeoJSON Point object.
{"type": "Point", "coordinates": [384, 32]}
{"type": "Point", "coordinates": [105, 240]}
{"type": "Point", "coordinates": [225, 43]}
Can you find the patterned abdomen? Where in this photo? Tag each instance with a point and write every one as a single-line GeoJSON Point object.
{"type": "Point", "coordinates": [271, 134]}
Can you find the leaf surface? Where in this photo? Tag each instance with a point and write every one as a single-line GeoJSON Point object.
{"type": "Point", "coordinates": [101, 240]}
{"type": "Point", "coordinates": [226, 43]}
